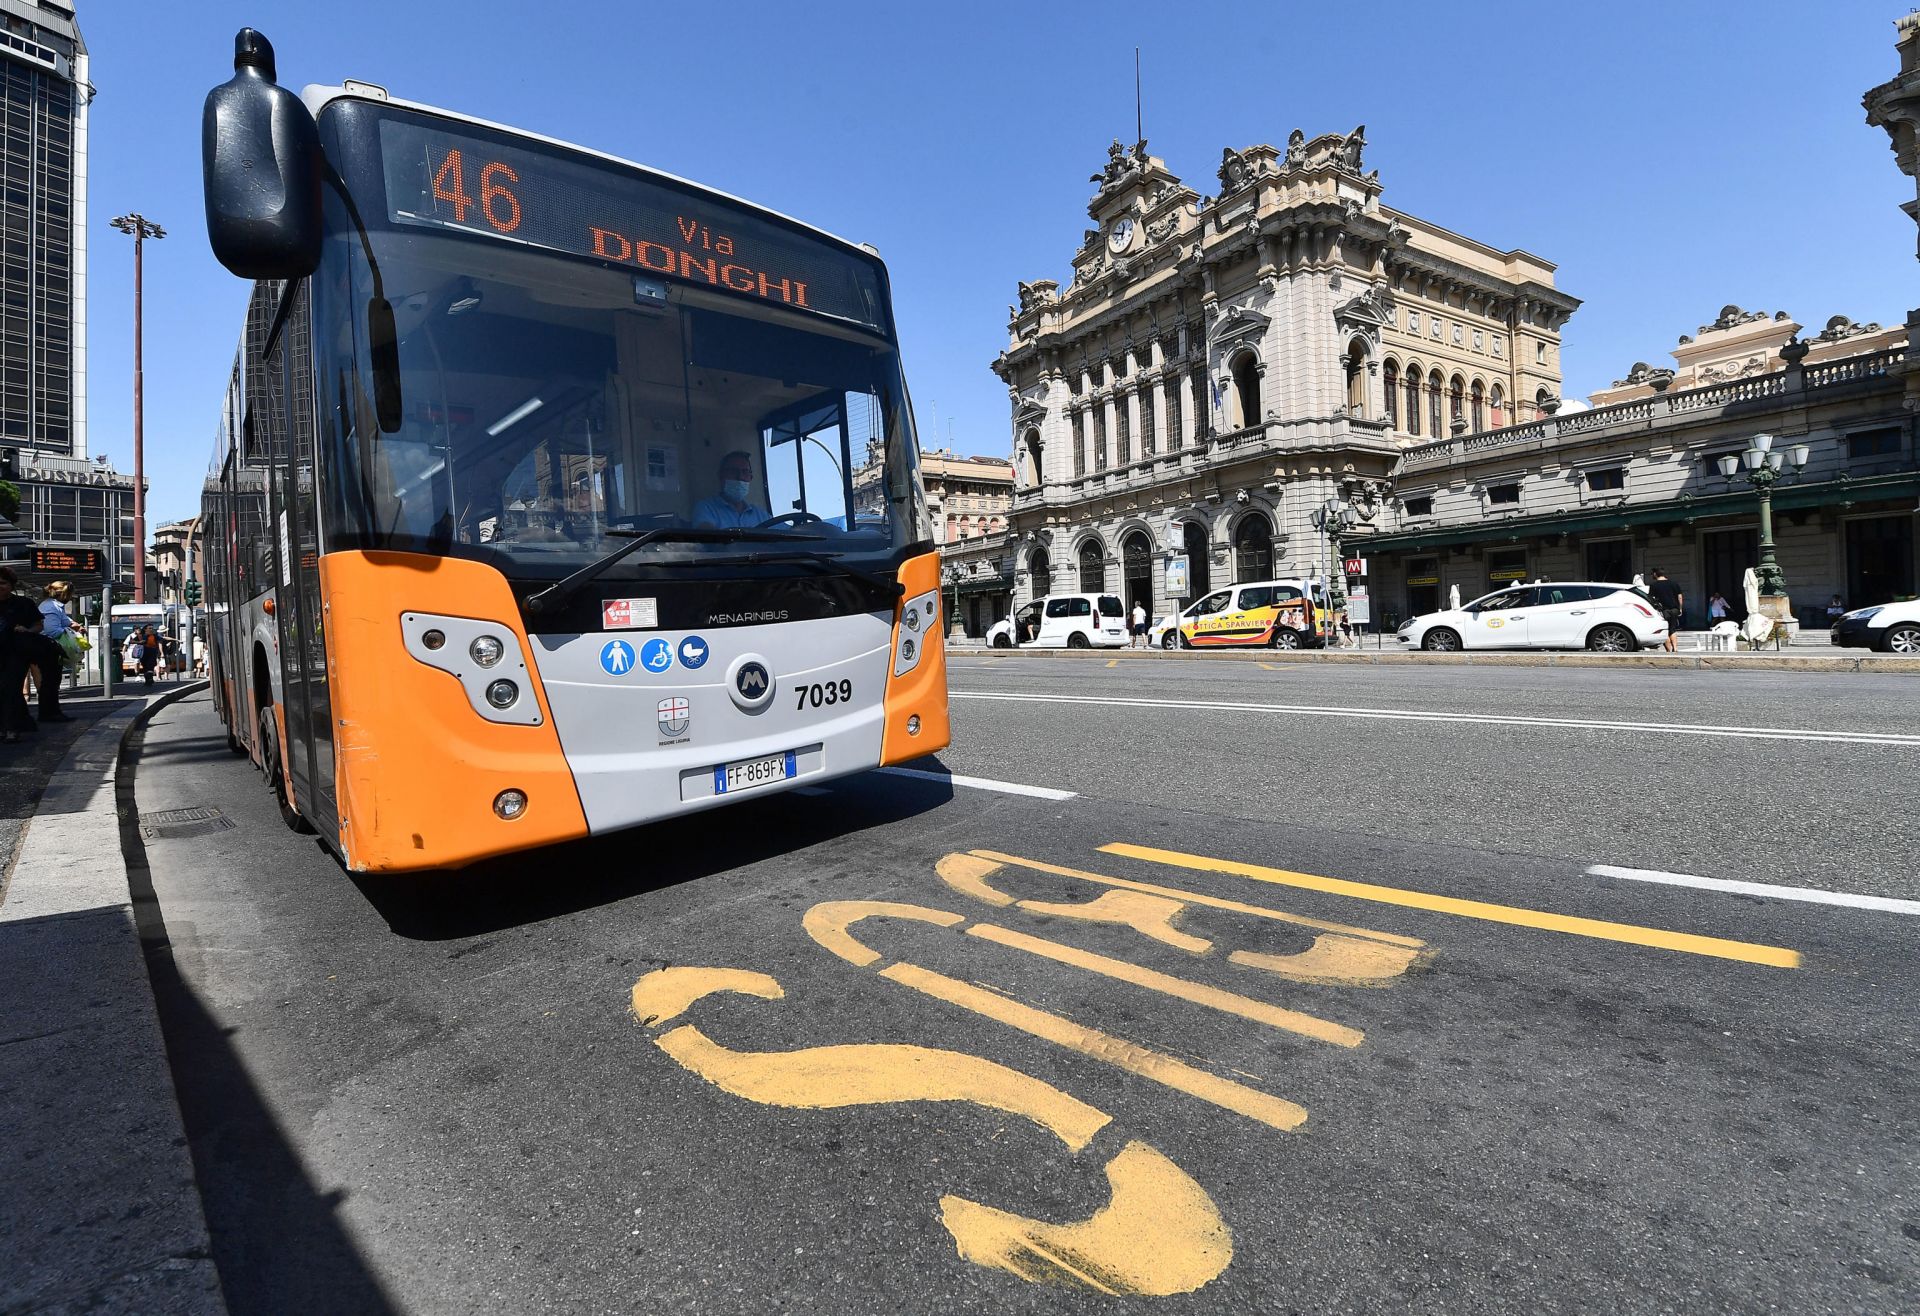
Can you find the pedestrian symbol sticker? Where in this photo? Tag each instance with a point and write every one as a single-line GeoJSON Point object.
{"type": "Point", "coordinates": [693, 651]}
{"type": "Point", "coordinates": [616, 657]}
{"type": "Point", "coordinates": [657, 656]}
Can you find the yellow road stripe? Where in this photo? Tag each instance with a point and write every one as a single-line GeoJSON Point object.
{"type": "Point", "coordinates": [1113, 662]}
{"type": "Point", "coordinates": [1198, 993]}
{"type": "Point", "coordinates": [1775, 956]}
{"type": "Point", "coordinates": [1195, 897]}
{"type": "Point", "coordinates": [1138, 1060]}
{"type": "Point", "coordinates": [1271, 667]}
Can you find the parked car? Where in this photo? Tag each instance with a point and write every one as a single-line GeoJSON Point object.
{"type": "Point", "coordinates": [1064, 621]}
{"type": "Point", "coordinates": [1888, 627]}
{"type": "Point", "coordinates": [1277, 614]}
{"type": "Point", "coordinates": [1551, 615]}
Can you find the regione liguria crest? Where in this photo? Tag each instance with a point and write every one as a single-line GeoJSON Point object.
{"type": "Point", "coordinates": [675, 716]}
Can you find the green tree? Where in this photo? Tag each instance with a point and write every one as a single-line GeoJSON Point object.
{"type": "Point", "coordinates": [10, 500]}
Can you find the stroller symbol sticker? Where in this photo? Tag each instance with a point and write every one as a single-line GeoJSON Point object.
{"type": "Point", "coordinates": [616, 658]}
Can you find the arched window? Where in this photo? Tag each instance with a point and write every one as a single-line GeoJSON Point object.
{"type": "Point", "coordinates": [1136, 571]}
{"type": "Point", "coordinates": [1040, 572]}
{"type": "Point", "coordinates": [1436, 390]}
{"type": "Point", "coordinates": [1357, 377]}
{"type": "Point", "coordinates": [1390, 381]}
{"type": "Point", "coordinates": [1498, 401]}
{"type": "Point", "coordinates": [1246, 388]}
{"type": "Point", "coordinates": [1540, 401]}
{"type": "Point", "coordinates": [1253, 547]}
{"type": "Point", "coordinates": [1093, 568]}
{"type": "Point", "coordinates": [1479, 406]}
{"type": "Point", "coordinates": [1413, 399]}
{"type": "Point", "coordinates": [1456, 399]}
{"type": "Point", "coordinates": [1031, 465]}
{"type": "Point", "coordinates": [1193, 538]}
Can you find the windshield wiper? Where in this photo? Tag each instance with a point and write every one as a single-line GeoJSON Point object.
{"type": "Point", "coordinates": [558, 592]}
{"type": "Point", "coordinates": [893, 589]}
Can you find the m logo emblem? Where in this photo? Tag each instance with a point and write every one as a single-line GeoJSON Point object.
{"type": "Point", "coordinates": [750, 682]}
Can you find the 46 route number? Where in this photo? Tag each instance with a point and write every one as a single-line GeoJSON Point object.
{"type": "Point", "coordinates": [500, 206]}
{"type": "Point", "coordinates": [828, 692]}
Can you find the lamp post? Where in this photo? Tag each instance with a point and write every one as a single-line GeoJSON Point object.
{"type": "Point", "coordinates": [139, 228]}
{"type": "Point", "coordinates": [1334, 518]}
{"type": "Point", "coordinates": [1764, 464]}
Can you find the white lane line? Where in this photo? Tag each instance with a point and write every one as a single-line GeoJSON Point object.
{"type": "Point", "coordinates": [982, 783]}
{"type": "Point", "coordinates": [1811, 895]}
{"type": "Point", "coordinates": [1482, 719]}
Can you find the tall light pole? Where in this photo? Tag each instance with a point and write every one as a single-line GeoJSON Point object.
{"type": "Point", "coordinates": [139, 228]}
{"type": "Point", "coordinates": [1764, 465]}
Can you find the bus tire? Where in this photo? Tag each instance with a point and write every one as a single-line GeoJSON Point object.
{"type": "Point", "coordinates": [276, 776]}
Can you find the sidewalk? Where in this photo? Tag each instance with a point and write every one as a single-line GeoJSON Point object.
{"type": "Point", "coordinates": [98, 1207]}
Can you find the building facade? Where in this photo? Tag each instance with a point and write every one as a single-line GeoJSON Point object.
{"type": "Point", "coordinates": [174, 558]}
{"type": "Point", "coordinates": [69, 503]}
{"type": "Point", "coordinates": [1623, 489]}
{"type": "Point", "coordinates": [1219, 367]}
{"type": "Point", "coordinates": [44, 94]}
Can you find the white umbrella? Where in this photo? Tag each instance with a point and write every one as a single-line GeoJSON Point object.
{"type": "Point", "coordinates": [1640, 582]}
{"type": "Point", "coordinates": [1453, 597]}
{"type": "Point", "coordinates": [1757, 627]}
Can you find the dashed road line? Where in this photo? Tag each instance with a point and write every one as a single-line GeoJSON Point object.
{"type": "Point", "coordinates": [1889, 739]}
{"type": "Point", "coordinates": [981, 783]}
{"type": "Point", "coordinates": [1812, 895]}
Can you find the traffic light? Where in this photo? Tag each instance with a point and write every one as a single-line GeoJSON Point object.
{"type": "Point", "coordinates": [193, 592]}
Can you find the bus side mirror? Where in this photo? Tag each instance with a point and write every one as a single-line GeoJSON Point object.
{"type": "Point", "coordinates": [383, 351]}
{"type": "Point", "coordinates": [260, 168]}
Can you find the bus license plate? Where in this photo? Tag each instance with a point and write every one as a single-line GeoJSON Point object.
{"type": "Point", "coordinates": [747, 773]}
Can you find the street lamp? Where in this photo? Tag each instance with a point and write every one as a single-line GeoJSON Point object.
{"type": "Point", "coordinates": [1334, 518]}
{"type": "Point", "coordinates": [139, 228]}
{"type": "Point", "coordinates": [1764, 464]}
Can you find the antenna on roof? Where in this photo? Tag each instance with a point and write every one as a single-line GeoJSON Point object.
{"type": "Point", "coordinates": [1139, 132]}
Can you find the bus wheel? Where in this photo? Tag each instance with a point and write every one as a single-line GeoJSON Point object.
{"type": "Point", "coordinates": [276, 776]}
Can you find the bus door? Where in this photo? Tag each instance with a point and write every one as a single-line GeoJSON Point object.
{"type": "Point", "coordinates": [294, 534]}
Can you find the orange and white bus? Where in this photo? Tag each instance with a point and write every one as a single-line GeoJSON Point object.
{"type": "Point", "coordinates": [534, 486]}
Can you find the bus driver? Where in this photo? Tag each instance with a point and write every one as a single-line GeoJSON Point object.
{"type": "Point", "coordinates": [732, 508]}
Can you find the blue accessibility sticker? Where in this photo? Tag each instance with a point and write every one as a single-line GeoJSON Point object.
{"type": "Point", "coordinates": [616, 657]}
{"type": "Point", "coordinates": [693, 651]}
{"type": "Point", "coordinates": [656, 656]}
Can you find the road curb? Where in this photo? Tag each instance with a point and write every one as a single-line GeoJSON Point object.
{"type": "Point", "coordinates": [101, 1210]}
{"type": "Point", "coordinates": [1673, 662]}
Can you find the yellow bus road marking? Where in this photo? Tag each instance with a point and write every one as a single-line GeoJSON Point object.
{"type": "Point", "coordinates": [1113, 662]}
{"type": "Point", "coordinates": [1158, 1235]}
{"type": "Point", "coordinates": [828, 923]}
{"type": "Point", "coordinates": [1271, 667]}
{"type": "Point", "coordinates": [1137, 1060]}
{"type": "Point", "coordinates": [1260, 1012]}
{"type": "Point", "coordinates": [1747, 952]}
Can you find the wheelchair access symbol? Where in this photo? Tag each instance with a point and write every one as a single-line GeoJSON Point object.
{"type": "Point", "coordinates": [616, 658]}
{"type": "Point", "coordinates": [656, 656]}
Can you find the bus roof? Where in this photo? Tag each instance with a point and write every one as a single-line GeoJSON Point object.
{"type": "Point", "coordinates": [317, 97]}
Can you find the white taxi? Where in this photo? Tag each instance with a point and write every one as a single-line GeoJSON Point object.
{"type": "Point", "coordinates": [1550, 615]}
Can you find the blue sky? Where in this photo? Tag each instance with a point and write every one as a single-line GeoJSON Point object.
{"type": "Point", "coordinates": [1670, 158]}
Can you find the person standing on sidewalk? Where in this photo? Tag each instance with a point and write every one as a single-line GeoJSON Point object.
{"type": "Point", "coordinates": [1139, 625]}
{"type": "Point", "coordinates": [20, 641]}
{"type": "Point", "coordinates": [1672, 602]}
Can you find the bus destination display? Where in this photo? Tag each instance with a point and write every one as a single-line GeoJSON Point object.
{"type": "Point", "coordinates": [450, 180]}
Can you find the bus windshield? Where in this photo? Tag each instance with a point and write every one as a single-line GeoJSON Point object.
{"type": "Point", "coordinates": [550, 407]}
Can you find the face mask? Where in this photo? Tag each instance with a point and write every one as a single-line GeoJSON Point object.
{"type": "Point", "coordinates": [736, 490]}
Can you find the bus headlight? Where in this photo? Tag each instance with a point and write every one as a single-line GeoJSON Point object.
{"type": "Point", "coordinates": [434, 639]}
{"type": "Point", "coordinates": [486, 650]}
{"type": "Point", "coordinates": [913, 619]}
{"type": "Point", "coordinates": [501, 694]}
{"type": "Point", "coordinates": [909, 644]}
{"type": "Point", "coordinates": [510, 804]}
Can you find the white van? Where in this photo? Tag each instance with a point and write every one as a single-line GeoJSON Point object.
{"type": "Point", "coordinates": [1064, 621]}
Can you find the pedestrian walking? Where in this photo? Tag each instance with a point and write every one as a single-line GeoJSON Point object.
{"type": "Point", "coordinates": [1672, 602]}
{"type": "Point", "coordinates": [1139, 625]}
{"type": "Point", "coordinates": [149, 655]}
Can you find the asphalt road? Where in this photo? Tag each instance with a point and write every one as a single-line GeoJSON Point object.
{"type": "Point", "coordinates": [1276, 1012]}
